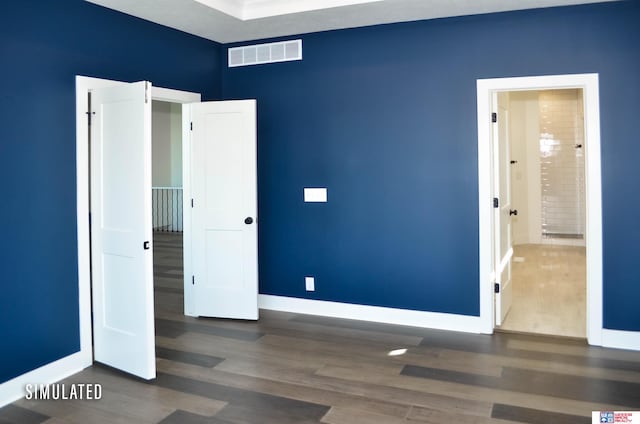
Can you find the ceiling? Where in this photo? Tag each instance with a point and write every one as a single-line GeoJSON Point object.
{"type": "Point", "coordinates": [227, 21]}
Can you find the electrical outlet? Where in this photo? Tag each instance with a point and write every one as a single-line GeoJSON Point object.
{"type": "Point", "coordinates": [315, 195]}
{"type": "Point", "coordinates": [310, 283]}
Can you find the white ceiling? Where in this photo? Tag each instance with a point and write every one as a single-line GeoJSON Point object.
{"type": "Point", "coordinates": [227, 21]}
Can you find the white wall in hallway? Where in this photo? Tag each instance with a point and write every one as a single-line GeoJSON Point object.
{"type": "Point", "coordinates": [176, 144]}
{"type": "Point", "coordinates": [167, 144]}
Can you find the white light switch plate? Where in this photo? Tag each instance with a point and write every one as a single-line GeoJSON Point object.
{"type": "Point", "coordinates": [310, 283]}
{"type": "Point", "coordinates": [315, 194]}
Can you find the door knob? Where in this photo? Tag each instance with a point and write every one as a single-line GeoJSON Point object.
{"type": "Point", "coordinates": [248, 220]}
{"type": "Point", "coordinates": [513, 212]}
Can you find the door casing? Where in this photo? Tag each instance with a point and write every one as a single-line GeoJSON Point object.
{"type": "Point", "coordinates": [593, 188]}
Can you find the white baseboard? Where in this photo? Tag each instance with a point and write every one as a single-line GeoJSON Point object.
{"type": "Point", "coordinates": [621, 339]}
{"type": "Point", "coordinates": [13, 390]}
{"type": "Point", "coordinates": [432, 320]}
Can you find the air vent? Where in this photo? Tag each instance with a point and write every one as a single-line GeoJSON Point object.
{"type": "Point", "coordinates": [258, 54]}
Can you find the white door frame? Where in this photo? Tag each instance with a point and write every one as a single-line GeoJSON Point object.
{"type": "Point", "coordinates": [593, 189]}
{"type": "Point", "coordinates": [83, 86]}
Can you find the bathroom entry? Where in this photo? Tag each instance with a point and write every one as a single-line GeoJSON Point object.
{"type": "Point", "coordinates": [546, 141]}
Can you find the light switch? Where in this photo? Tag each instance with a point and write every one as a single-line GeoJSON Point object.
{"type": "Point", "coordinates": [315, 195]}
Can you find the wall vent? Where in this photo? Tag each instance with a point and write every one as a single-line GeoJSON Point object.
{"type": "Point", "coordinates": [258, 54]}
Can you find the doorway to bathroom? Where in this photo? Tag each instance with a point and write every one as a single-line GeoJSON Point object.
{"type": "Point", "coordinates": [545, 141]}
{"type": "Point", "coordinates": [497, 212]}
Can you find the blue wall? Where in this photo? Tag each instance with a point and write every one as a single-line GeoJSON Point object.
{"type": "Point", "coordinates": [43, 45]}
{"type": "Point", "coordinates": [385, 117]}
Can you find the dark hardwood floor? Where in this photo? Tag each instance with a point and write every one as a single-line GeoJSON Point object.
{"type": "Point", "coordinates": [292, 368]}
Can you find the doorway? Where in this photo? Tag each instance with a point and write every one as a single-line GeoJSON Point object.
{"type": "Point", "coordinates": [222, 136]}
{"type": "Point", "coordinates": [489, 220]}
{"type": "Point", "coordinates": [144, 367]}
{"type": "Point", "coordinates": [545, 142]}
{"type": "Point", "coordinates": [167, 200]}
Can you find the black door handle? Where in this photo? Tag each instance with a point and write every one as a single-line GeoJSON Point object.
{"type": "Point", "coordinates": [248, 220]}
{"type": "Point", "coordinates": [513, 212]}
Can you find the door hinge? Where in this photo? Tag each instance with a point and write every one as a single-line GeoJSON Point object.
{"type": "Point", "coordinates": [496, 202]}
{"type": "Point", "coordinates": [494, 117]}
{"type": "Point", "coordinates": [496, 288]}
{"type": "Point", "coordinates": [191, 126]}
{"type": "Point", "coordinates": [146, 92]}
{"type": "Point", "coordinates": [89, 114]}
{"type": "Point", "coordinates": [193, 280]}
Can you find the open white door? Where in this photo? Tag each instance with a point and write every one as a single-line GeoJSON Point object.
{"type": "Point", "coordinates": [224, 250]}
{"type": "Point", "coordinates": [502, 191]}
{"type": "Point", "coordinates": [121, 232]}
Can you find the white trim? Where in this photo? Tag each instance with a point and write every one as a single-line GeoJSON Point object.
{"type": "Point", "coordinates": [83, 86]}
{"type": "Point", "coordinates": [621, 339]}
{"type": "Point", "coordinates": [589, 83]}
{"type": "Point", "coordinates": [433, 320]}
{"type": "Point", "coordinates": [189, 295]}
{"type": "Point", "coordinates": [174, 96]}
{"type": "Point", "coordinates": [593, 228]}
{"type": "Point", "coordinates": [12, 390]}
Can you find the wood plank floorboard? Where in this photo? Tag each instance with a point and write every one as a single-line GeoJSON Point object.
{"type": "Point", "coordinates": [185, 417]}
{"type": "Point", "coordinates": [542, 383]}
{"type": "Point", "coordinates": [420, 391]}
{"type": "Point", "coordinates": [427, 415]}
{"type": "Point", "coordinates": [17, 414]}
{"type": "Point", "coordinates": [296, 368]}
{"type": "Point", "coordinates": [297, 390]}
{"type": "Point", "coordinates": [246, 405]}
{"type": "Point", "coordinates": [199, 359]}
{"type": "Point", "coordinates": [171, 290]}
{"type": "Point", "coordinates": [535, 416]}
{"type": "Point", "coordinates": [188, 327]}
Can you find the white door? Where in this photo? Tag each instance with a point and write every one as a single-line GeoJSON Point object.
{"type": "Point", "coordinates": [121, 233]}
{"type": "Point", "coordinates": [224, 209]}
{"type": "Point", "coordinates": [502, 191]}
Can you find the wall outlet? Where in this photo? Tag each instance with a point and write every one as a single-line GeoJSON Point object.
{"type": "Point", "coordinates": [310, 283]}
{"type": "Point", "coordinates": [315, 195]}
